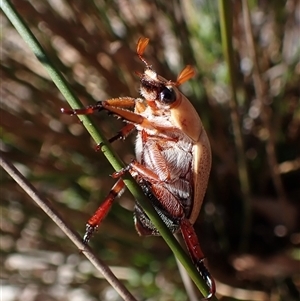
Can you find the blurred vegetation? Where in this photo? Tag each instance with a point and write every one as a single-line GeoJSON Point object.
{"type": "Point", "coordinates": [93, 44]}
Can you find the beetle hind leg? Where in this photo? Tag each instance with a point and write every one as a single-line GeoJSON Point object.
{"type": "Point", "coordinates": [208, 279]}
{"type": "Point", "coordinates": [193, 246]}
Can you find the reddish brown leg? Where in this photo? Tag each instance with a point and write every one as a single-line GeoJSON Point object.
{"type": "Point", "coordinates": [123, 133]}
{"type": "Point", "coordinates": [110, 105]}
{"type": "Point", "coordinates": [147, 173]}
{"type": "Point", "coordinates": [125, 102]}
{"type": "Point", "coordinates": [102, 211]}
{"type": "Point", "coordinates": [193, 246]}
{"type": "Point", "coordinates": [118, 107]}
{"type": "Point", "coordinates": [140, 169]}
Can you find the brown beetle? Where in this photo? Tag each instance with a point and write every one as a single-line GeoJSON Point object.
{"type": "Point", "coordinates": [173, 157]}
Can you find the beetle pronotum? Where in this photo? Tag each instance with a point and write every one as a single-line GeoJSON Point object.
{"type": "Point", "coordinates": [173, 157]}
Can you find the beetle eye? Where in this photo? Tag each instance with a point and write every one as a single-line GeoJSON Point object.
{"type": "Point", "coordinates": [167, 95]}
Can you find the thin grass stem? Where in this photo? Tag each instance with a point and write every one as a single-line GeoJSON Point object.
{"type": "Point", "coordinates": [226, 34]}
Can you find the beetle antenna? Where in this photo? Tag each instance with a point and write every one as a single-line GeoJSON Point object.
{"type": "Point", "coordinates": [187, 73]}
{"type": "Point", "coordinates": [139, 74]}
{"type": "Point", "coordinates": [140, 49]}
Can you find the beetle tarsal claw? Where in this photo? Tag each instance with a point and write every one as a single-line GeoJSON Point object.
{"type": "Point", "coordinates": [89, 231]}
{"type": "Point", "coordinates": [208, 279]}
{"type": "Point", "coordinates": [99, 146]}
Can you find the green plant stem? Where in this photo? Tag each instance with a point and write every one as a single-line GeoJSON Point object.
{"type": "Point", "coordinates": [226, 33]}
{"type": "Point", "coordinates": [114, 160]}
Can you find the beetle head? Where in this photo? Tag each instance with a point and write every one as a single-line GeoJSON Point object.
{"type": "Point", "coordinates": [155, 88]}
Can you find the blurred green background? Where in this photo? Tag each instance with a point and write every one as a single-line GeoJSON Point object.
{"type": "Point", "coordinates": [249, 226]}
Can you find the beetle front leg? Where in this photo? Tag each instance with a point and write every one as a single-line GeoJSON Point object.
{"type": "Point", "coordinates": [193, 246]}
{"type": "Point", "coordinates": [102, 210]}
{"type": "Point", "coordinates": [122, 102]}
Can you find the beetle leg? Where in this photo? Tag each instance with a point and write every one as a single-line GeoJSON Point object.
{"type": "Point", "coordinates": [117, 106]}
{"type": "Point", "coordinates": [102, 210]}
{"type": "Point", "coordinates": [161, 173]}
{"type": "Point", "coordinates": [123, 133]}
{"type": "Point", "coordinates": [130, 116]}
{"type": "Point", "coordinates": [142, 171]}
{"type": "Point", "coordinates": [193, 246]}
{"type": "Point", "coordinates": [122, 102]}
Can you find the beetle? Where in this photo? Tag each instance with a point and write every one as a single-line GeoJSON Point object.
{"type": "Point", "coordinates": [173, 157]}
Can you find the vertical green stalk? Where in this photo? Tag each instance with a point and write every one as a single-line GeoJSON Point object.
{"type": "Point", "coordinates": [226, 34]}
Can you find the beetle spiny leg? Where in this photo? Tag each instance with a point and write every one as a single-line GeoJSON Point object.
{"type": "Point", "coordinates": [116, 137]}
{"type": "Point", "coordinates": [85, 111]}
{"type": "Point", "coordinates": [193, 246]}
{"type": "Point", "coordinates": [123, 133]}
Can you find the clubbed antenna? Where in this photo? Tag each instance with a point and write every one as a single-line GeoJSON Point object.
{"type": "Point", "coordinates": [140, 49]}
{"type": "Point", "coordinates": [187, 73]}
